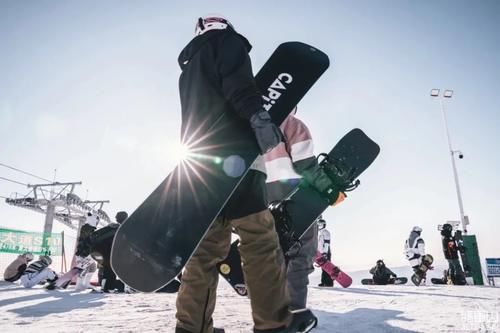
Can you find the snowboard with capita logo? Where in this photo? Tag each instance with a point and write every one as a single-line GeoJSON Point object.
{"type": "Point", "coordinates": [153, 245]}
{"type": "Point", "coordinates": [398, 280]}
{"type": "Point", "coordinates": [350, 157]}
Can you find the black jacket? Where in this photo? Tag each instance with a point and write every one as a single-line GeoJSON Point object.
{"type": "Point", "coordinates": [217, 78]}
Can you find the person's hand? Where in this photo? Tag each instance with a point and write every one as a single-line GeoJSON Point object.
{"type": "Point", "coordinates": [267, 134]}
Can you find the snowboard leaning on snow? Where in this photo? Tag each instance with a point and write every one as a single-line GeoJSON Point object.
{"type": "Point", "coordinates": [350, 157]}
{"type": "Point", "coordinates": [152, 246]}
{"type": "Point", "coordinates": [335, 273]}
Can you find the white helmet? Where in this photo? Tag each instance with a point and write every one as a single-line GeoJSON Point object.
{"type": "Point", "coordinates": [417, 229]}
{"type": "Point", "coordinates": [211, 22]}
{"type": "Point", "coordinates": [321, 223]}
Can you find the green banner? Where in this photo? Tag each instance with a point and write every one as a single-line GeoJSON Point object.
{"type": "Point", "coordinates": [18, 241]}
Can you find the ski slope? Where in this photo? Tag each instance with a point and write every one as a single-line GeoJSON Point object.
{"type": "Point", "coordinates": [356, 309]}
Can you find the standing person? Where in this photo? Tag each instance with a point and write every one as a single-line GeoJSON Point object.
{"type": "Point", "coordinates": [450, 250]}
{"type": "Point", "coordinates": [325, 250]}
{"type": "Point", "coordinates": [415, 253]}
{"type": "Point", "coordinates": [83, 260]}
{"type": "Point", "coordinates": [217, 79]}
{"type": "Point", "coordinates": [102, 241]}
{"type": "Point", "coordinates": [382, 274]}
{"type": "Point", "coordinates": [37, 272]}
{"type": "Point", "coordinates": [286, 164]}
{"type": "Point", "coordinates": [16, 268]}
{"type": "Point", "coordinates": [415, 247]}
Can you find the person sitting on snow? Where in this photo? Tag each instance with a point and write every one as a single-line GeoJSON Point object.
{"type": "Point", "coordinates": [382, 274]}
{"type": "Point", "coordinates": [15, 270]}
{"type": "Point", "coordinates": [37, 272]}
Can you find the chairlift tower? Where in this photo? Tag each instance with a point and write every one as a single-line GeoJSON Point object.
{"type": "Point", "coordinates": [61, 204]}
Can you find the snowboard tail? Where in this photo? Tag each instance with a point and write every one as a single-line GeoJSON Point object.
{"type": "Point", "coordinates": [152, 246]}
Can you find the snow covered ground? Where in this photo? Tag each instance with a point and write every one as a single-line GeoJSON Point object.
{"type": "Point", "coordinates": [373, 309]}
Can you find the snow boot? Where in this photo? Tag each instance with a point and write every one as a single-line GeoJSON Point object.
{"type": "Point", "coordinates": [303, 321]}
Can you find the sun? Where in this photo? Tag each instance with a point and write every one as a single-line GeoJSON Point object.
{"type": "Point", "coordinates": [180, 152]}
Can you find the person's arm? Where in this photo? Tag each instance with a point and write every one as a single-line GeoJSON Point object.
{"type": "Point", "coordinates": [373, 269]}
{"type": "Point", "coordinates": [300, 148]}
{"type": "Point", "coordinates": [238, 82]}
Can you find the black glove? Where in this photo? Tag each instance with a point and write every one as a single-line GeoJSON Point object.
{"type": "Point", "coordinates": [267, 134]}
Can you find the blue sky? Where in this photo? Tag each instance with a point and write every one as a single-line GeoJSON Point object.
{"type": "Point", "coordinates": [90, 89]}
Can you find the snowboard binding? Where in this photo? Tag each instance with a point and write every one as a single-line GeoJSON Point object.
{"type": "Point", "coordinates": [340, 174]}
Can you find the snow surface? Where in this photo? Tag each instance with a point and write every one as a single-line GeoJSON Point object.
{"type": "Point", "coordinates": [402, 309]}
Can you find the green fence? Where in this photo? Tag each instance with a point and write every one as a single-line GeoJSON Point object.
{"type": "Point", "coordinates": [18, 241]}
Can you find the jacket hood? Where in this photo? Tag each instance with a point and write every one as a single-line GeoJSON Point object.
{"type": "Point", "coordinates": [196, 43]}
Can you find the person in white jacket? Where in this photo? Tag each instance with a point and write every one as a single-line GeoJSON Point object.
{"type": "Point", "coordinates": [324, 239]}
{"type": "Point", "coordinates": [415, 247]}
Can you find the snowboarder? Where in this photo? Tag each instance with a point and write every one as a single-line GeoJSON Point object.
{"type": "Point", "coordinates": [415, 247]}
{"type": "Point", "coordinates": [455, 273]}
{"type": "Point", "coordinates": [415, 253]}
{"type": "Point", "coordinates": [324, 248]}
{"type": "Point", "coordinates": [37, 272]}
{"type": "Point", "coordinates": [382, 274]}
{"type": "Point", "coordinates": [16, 268]}
{"type": "Point", "coordinates": [83, 260]}
{"type": "Point", "coordinates": [102, 240]}
{"type": "Point", "coordinates": [286, 164]}
{"type": "Point", "coordinates": [217, 79]}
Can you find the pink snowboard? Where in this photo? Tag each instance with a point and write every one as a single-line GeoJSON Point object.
{"type": "Point", "coordinates": [335, 273]}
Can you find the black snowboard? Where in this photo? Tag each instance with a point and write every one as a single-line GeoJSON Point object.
{"type": "Point", "coordinates": [439, 281]}
{"type": "Point", "coordinates": [354, 153]}
{"type": "Point", "coordinates": [155, 242]}
{"type": "Point", "coordinates": [231, 270]}
{"type": "Point", "coordinates": [398, 280]}
{"type": "Point", "coordinates": [463, 253]}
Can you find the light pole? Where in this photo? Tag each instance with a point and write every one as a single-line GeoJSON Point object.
{"type": "Point", "coordinates": [448, 94]}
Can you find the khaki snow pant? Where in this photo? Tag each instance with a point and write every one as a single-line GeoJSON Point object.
{"type": "Point", "coordinates": [263, 268]}
{"type": "Point", "coordinates": [300, 266]}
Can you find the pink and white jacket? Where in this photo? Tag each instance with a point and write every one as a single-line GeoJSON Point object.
{"type": "Point", "coordinates": [286, 162]}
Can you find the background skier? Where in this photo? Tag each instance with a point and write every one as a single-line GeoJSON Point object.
{"type": "Point", "coordinates": [415, 247]}
{"type": "Point", "coordinates": [217, 79]}
{"type": "Point", "coordinates": [450, 250]}
{"type": "Point", "coordinates": [101, 243]}
{"type": "Point", "coordinates": [83, 260]}
{"type": "Point", "coordinates": [16, 268]}
{"type": "Point", "coordinates": [415, 253]}
{"type": "Point", "coordinates": [324, 240]}
{"type": "Point", "coordinates": [382, 274]}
